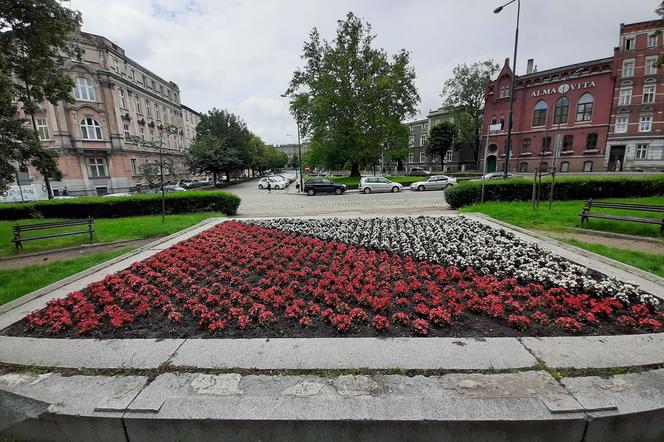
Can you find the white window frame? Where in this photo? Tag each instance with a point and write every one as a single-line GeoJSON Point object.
{"type": "Point", "coordinates": [97, 165]}
{"type": "Point", "coordinates": [628, 68]}
{"type": "Point", "coordinates": [121, 96]}
{"type": "Point", "coordinates": [631, 39]}
{"type": "Point", "coordinates": [90, 129]}
{"type": "Point", "coordinates": [651, 43]}
{"type": "Point", "coordinates": [133, 163]}
{"type": "Point", "coordinates": [625, 96]}
{"type": "Point", "coordinates": [645, 123]}
{"type": "Point", "coordinates": [423, 157]}
{"type": "Point", "coordinates": [42, 128]}
{"type": "Point", "coordinates": [448, 155]}
{"type": "Point", "coordinates": [423, 140]}
{"type": "Point", "coordinates": [84, 90]}
{"type": "Point", "coordinates": [649, 93]}
{"type": "Point", "coordinates": [650, 68]}
{"type": "Point", "coordinates": [148, 108]}
{"type": "Point", "coordinates": [589, 169]}
{"type": "Point", "coordinates": [137, 99]}
{"type": "Point", "coordinates": [621, 125]}
{"type": "Point", "coordinates": [127, 132]}
{"type": "Point", "coordinates": [411, 140]}
{"type": "Point", "coordinates": [641, 152]}
{"type": "Point", "coordinates": [411, 157]}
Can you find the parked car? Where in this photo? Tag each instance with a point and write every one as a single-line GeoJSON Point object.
{"type": "Point", "coordinates": [378, 184]}
{"type": "Point", "coordinates": [323, 185]}
{"type": "Point", "coordinates": [494, 176]}
{"type": "Point", "coordinates": [417, 171]}
{"type": "Point", "coordinates": [435, 182]}
{"type": "Point", "coordinates": [283, 178]}
{"type": "Point", "coordinates": [275, 183]}
{"type": "Point", "coordinates": [111, 195]}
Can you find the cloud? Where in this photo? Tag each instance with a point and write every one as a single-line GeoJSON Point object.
{"type": "Point", "coordinates": [240, 55]}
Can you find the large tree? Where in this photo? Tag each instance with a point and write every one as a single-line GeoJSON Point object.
{"type": "Point", "coordinates": [222, 134]}
{"type": "Point", "coordinates": [350, 97]}
{"type": "Point", "coordinates": [35, 37]}
{"type": "Point", "coordinates": [463, 96]}
{"type": "Point", "coordinates": [443, 137]}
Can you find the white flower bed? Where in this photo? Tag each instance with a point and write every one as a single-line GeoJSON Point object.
{"type": "Point", "coordinates": [462, 242]}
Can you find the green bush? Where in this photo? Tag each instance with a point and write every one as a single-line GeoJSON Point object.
{"type": "Point", "coordinates": [115, 207]}
{"type": "Point", "coordinates": [567, 188]}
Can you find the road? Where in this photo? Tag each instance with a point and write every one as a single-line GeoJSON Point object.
{"type": "Point", "coordinates": [258, 203]}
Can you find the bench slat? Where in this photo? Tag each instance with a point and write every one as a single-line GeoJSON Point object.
{"type": "Point", "coordinates": [622, 218]}
{"type": "Point", "coordinates": [55, 235]}
{"type": "Point", "coordinates": [626, 206]}
{"type": "Point", "coordinates": [53, 224]}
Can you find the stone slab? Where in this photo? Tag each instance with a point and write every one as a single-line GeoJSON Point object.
{"type": "Point", "coordinates": [341, 353]}
{"type": "Point", "coordinates": [598, 351]}
{"type": "Point", "coordinates": [87, 353]}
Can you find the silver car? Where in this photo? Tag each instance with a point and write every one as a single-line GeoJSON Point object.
{"type": "Point", "coordinates": [435, 182]}
{"type": "Point", "coordinates": [378, 184]}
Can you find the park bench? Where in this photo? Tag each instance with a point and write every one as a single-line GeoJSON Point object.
{"type": "Point", "coordinates": [18, 230]}
{"type": "Point", "coordinates": [590, 204]}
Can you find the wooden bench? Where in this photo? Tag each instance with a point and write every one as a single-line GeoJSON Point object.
{"type": "Point", "coordinates": [18, 230]}
{"type": "Point", "coordinates": [590, 204]}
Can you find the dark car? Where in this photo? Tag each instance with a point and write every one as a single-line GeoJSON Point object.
{"type": "Point", "coordinates": [323, 185]}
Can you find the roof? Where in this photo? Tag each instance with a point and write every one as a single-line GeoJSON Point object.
{"type": "Point", "coordinates": [190, 110]}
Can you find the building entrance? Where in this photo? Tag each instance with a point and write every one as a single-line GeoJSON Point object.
{"type": "Point", "coordinates": [616, 159]}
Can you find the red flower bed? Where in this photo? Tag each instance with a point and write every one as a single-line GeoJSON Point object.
{"type": "Point", "coordinates": [239, 280]}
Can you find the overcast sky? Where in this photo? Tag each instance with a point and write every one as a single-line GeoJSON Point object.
{"type": "Point", "coordinates": [240, 55]}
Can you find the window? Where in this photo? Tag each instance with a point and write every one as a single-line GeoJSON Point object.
{"type": "Point", "coordinates": [148, 108]}
{"type": "Point", "coordinates": [156, 112]}
{"type": "Point", "coordinates": [504, 89]}
{"type": "Point", "coordinates": [645, 124]}
{"type": "Point", "coordinates": [539, 113]}
{"type": "Point", "coordinates": [144, 81]}
{"type": "Point", "coordinates": [502, 122]}
{"type": "Point", "coordinates": [161, 89]}
{"type": "Point", "coordinates": [628, 68]}
{"type": "Point", "coordinates": [422, 157]}
{"type": "Point", "coordinates": [652, 40]}
{"type": "Point", "coordinates": [523, 167]}
{"type": "Point", "coordinates": [564, 166]}
{"type": "Point", "coordinates": [133, 75]}
{"type": "Point", "coordinates": [127, 134]}
{"type": "Point", "coordinates": [546, 144]}
{"type": "Point", "coordinates": [42, 128]}
{"type": "Point", "coordinates": [641, 151]}
{"type": "Point", "coordinates": [591, 141]}
{"type": "Point", "coordinates": [116, 66]}
{"type": "Point", "coordinates": [621, 124]}
{"type": "Point", "coordinates": [448, 155]}
{"type": "Point", "coordinates": [133, 162]}
{"type": "Point", "coordinates": [560, 110]}
{"type": "Point", "coordinates": [493, 121]}
{"type": "Point", "coordinates": [121, 98]}
{"type": "Point", "coordinates": [83, 89]}
{"type": "Point", "coordinates": [90, 129]}
{"type": "Point", "coordinates": [101, 191]}
{"type": "Point", "coordinates": [588, 166]}
{"type": "Point", "coordinates": [423, 140]}
{"type": "Point", "coordinates": [411, 141]}
{"type": "Point", "coordinates": [526, 145]}
{"type": "Point", "coordinates": [584, 108]}
{"type": "Point", "coordinates": [630, 43]}
{"type": "Point", "coordinates": [141, 131]}
{"type": "Point", "coordinates": [568, 142]}
{"type": "Point", "coordinates": [97, 167]}
{"type": "Point", "coordinates": [649, 94]}
{"type": "Point", "coordinates": [138, 105]}
{"type": "Point", "coordinates": [625, 97]}
{"type": "Point", "coordinates": [411, 157]}
{"type": "Point", "coordinates": [651, 69]}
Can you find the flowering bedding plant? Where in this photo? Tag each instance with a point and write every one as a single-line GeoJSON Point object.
{"type": "Point", "coordinates": [279, 278]}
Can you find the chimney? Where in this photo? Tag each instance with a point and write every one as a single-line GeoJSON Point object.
{"type": "Point", "coordinates": [507, 61]}
{"type": "Point", "coordinates": [530, 67]}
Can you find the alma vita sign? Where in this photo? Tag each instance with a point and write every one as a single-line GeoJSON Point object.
{"type": "Point", "coordinates": [563, 88]}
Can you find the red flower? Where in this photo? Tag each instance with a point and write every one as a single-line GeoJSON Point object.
{"type": "Point", "coordinates": [381, 323]}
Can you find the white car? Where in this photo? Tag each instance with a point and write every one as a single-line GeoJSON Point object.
{"type": "Point", "coordinates": [112, 195]}
{"type": "Point", "coordinates": [275, 183]}
{"type": "Point", "coordinates": [378, 184]}
{"type": "Point", "coordinates": [434, 182]}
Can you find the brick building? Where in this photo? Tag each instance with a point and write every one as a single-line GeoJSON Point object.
{"type": "Point", "coordinates": [605, 114]}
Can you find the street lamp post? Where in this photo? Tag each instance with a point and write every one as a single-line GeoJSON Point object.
{"type": "Point", "coordinates": [508, 147]}
{"type": "Point", "coordinates": [299, 153]}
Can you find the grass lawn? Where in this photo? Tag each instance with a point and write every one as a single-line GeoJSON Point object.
{"type": "Point", "coordinates": [15, 283]}
{"type": "Point", "coordinates": [106, 230]}
{"type": "Point", "coordinates": [566, 214]}
{"type": "Point", "coordinates": [649, 262]}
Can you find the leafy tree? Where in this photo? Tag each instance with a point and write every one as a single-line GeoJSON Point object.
{"type": "Point", "coordinates": [463, 96]}
{"type": "Point", "coordinates": [209, 154]}
{"type": "Point", "coordinates": [350, 98]}
{"type": "Point", "coordinates": [442, 138]}
{"type": "Point", "coordinates": [35, 36]}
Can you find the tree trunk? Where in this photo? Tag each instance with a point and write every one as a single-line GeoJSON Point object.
{"type": "Point", "coordinates": [442, 163]}
{"type": "Point", "coordinates": [355, 169]}
{"type": "Point", "coordinates": [49, 189]}
{"type": "Point", "coordinates": [228, 176]}
{"type": "Point", "coordinates": [214, 179]}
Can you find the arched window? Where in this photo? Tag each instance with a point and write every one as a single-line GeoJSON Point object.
{"type": "Point", "coordinates": [539, 113]}
{"type": "Point", "coordinates": [504, 88]}
{"type": "Point", "coordinates": [584, 109]}
{"type": "Point", "coordinates": [84, 90]}
{"type": "Point", "coordinates": [561, 110]}
{"type": "Point", "coordinates": [564, 166]}
{"type": "Point", "coordinates": [588, 166]}
{"type": "Point", "coordinates": [523, 167]}
{"type": "Point", "coordinates": [90, 129]}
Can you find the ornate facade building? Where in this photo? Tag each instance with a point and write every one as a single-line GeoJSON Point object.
{"type": "Point", "coordinates": [115, 125]}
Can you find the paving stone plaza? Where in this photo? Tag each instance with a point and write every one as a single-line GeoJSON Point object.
{"type": "Point", "coordinates": [521, 388]}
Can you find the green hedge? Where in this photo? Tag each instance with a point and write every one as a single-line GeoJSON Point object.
{"type": "Point", "coordinates": [567, 188]}
{"type": "Point", "coordinates": [116, 207]}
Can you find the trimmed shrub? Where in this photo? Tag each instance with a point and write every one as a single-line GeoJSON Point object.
{"type": "Point", "coordinates": [135, 205]}
{"type": "Point", "coordinates": [567, 188]}
{"type": "Point", "coordinates": [14, 211]}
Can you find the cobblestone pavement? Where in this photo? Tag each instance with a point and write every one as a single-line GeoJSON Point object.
{"type": "Point", "coordinates": [256, 202]}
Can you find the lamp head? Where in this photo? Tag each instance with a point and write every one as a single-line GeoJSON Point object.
{"type": "Point", "coordinates": [497, 10]}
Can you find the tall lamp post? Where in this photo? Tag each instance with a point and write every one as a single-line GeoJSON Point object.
{"type": "Point", "coordinates": [508, 147]}
{"type": "Point", "coordinates": [299, 153]}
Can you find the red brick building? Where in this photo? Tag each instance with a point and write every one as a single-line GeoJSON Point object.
{"type": "Point", "coordinates": [581, 105]}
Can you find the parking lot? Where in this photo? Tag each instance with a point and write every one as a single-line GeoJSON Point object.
{"type": "Point", "coordinates": [256, 202]}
